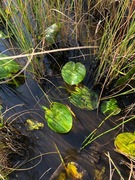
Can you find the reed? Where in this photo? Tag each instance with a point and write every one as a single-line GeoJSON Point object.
{"type": "Point", "coordinates": [116, 54]}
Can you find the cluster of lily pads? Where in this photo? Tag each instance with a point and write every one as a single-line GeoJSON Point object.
{"type": "Point", "coordinates": [59, 116]}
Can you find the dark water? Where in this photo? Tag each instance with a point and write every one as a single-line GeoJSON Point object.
{"type": "Point", "coordinates": [26, 103]}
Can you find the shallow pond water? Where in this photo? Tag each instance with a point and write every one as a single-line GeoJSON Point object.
{"type": "Point", "coordinates": [25, 103]}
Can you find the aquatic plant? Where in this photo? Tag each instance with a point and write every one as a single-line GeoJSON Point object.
{"type": "Point", "coordinates": [125, 144]}
{"type": "Point", "coordinates": [92, 136]}
{"type": "Point", "coordinates": [73, 73]}
{"type": "Point", "coordinates": [116, 51]}
{"type": "Point", "coordinates": [59, 117]}
{"type": "Point", "coordinates": [34, 125]}
{"type": "Point", "coordinates": [84, 98]}
{"type": "Point", "coordinates": [110, 107]}
{"type": "Point", "coordinates": [31, 27]}
{"type": "Point", "coordinates": [8, 67]}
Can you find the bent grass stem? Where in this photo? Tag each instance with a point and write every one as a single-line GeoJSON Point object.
{"type": "Point", "coordinates": [91, 137]}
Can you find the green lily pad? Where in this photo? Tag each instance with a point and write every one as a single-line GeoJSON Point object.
{"type": "Point", "coordinates": [125, 144]}
{"type": "Point", "coordinates": [8, 67]}
{"type": "Point", "coordinates": [84, 98]}
{"type": "Point", "coordinates": [110, 107]}
{"type": "Point", "coordinates": [73, 73]}
{"type": "Point", "coordinates": [59, 117]}
{"type": "Point", "coordinates": [51, 33]}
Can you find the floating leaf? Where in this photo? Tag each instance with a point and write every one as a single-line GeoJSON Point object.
{"type": "Point", "coordinates": [71, 170]}
{"type": "Point", "coordinates": [51, 33]}
{"type": "Point", "coordinates": [7, 67]}
{"type": "Point", "coordinates": [34, 125]}
{"type": "Point", "coordinates": [58, 117]}
{"type": "Point", "coordinates": [84, 98]}
{"type": "Point", "coordinates": [125, 144]}
{"type": "Point", "coordinates": [110, 107]}
{"type": "Point", "coordinates": [73, 73]}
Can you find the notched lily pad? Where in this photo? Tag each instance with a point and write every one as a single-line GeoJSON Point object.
{"type": "Point", "coordinates": [84, 98]}
{"type": "Point", "coordinates": [34, 125]}
{"type": "Point", "coordinates": [125, 144]}
{"type": "Point", "coordinates": [73, 73]}
{"type": "Point", "coordinates": [110, 107]}
{"type": "Point", "coordinates": [59, 117]}
{"type": "Point", "coordinates": [8, 67]}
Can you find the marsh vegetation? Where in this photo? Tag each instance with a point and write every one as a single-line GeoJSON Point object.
{"type": "Point", "coordinates": [67, 74]}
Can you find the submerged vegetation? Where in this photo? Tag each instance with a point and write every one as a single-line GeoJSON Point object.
{"type": "Point", "coordinates": [90, 45]}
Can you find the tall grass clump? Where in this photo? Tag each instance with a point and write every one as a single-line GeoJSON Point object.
{"type": "Point", "coordinates": [26, 23]}
{"type": "Point", "coordinates": [116, 54]}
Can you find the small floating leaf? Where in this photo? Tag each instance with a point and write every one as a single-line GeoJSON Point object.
{"type": "Point", "coordinates": [73, 73]}
{"type": "Point", "coordinates": [59, 117]}
{"type": "Point", "coordinates": [7, 67]}
{"type": "Point", "coordinates": [110, 107]}
{"type": "Point", "coordinates": [51, 33]}
{"type": "Point", "coordinates": [125, 144]}
{"type": "Point", "coordinates": [84, 98]}
{"type": "Point", "coordinates": [34, 125]}
{"type": "Point", "coordinates": [72, 171]}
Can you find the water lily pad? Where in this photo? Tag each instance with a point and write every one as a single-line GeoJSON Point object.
{"type": "Point", "coordinates": [84, 98]}
{"type": "Point", "coordinates": [110, 107]}
{"type": "Point", "coordinates": [73, 73]}
{"type": "Point", "coordinates": [51, 33]}
{"type": "Point", "coordinates": [8, 67]}
{"type": "Point", "coordinates": [125, 144]}
{"type": "Point", "coordinates": [34, 125]}
{"type": "Point", "coordinates": [59, 117]}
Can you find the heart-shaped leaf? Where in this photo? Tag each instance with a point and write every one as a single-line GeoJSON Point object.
{"type": "Point", "coordinates": [7, 67]}
{"type": "Point", "coordinates": [73, 73]}
{"type": "Point", "coordinates": [110, 107]}
{"type": "Point", "coordinates": [84, 98]}
{"type": "Point", "coordinates": [125, 144]}
{"type": "Point", "coordinates": [59, 117]}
